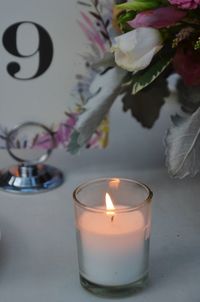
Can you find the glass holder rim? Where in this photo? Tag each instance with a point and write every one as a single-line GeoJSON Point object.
{"type": "Point", "coordinates": [101, 179]}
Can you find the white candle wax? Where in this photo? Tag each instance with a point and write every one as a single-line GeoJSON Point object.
{"type": "Point", "coordinates": [112, 251]}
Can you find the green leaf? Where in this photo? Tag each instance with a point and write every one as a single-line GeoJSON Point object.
{"type": "Point", "coordinates": [139, 5]}
{"type": "Point", "coordinates": [106, 87]}
{"type": "Point", "coordinates": [73, 146]}
{"type": "Point", "coordinates": [123, 18]}
{"type": "Point", "coordinates": [146, 77]}
{"type": "Point", "coordinates": [183, 147]}
{"type": "Point", "coordinates": [145, 106]}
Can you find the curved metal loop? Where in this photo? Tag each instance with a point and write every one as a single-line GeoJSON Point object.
{"type": "Point", "coordinates": [15, 131]}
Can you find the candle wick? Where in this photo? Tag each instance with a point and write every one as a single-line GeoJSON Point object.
{"type": "Point", "coordinates": [112, 218]}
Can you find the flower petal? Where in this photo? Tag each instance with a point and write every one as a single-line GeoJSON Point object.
{"type": "Point", "coordinates": [158, 18]}
{"type": "Point", "coordinates": [135, 50]}
{"type": "Point", "coordinates": [187, 64]}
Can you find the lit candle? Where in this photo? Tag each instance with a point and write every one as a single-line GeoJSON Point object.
{"type": "Point", "coordinates": [112, 245]}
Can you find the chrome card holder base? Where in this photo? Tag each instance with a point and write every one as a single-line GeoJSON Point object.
{"type": "Point", "coordinates": [30, 176]}
{"type": "Point", "coordinates": [30, 179]}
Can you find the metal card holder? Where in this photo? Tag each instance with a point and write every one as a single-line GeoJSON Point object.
{"type": "Point", "coordinates": [30, 176]}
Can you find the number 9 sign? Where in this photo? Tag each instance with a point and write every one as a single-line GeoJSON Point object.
{"type": "Point", "coordinates": [40, 64]}
{"type": "Point", "coordinates": [44, 49]}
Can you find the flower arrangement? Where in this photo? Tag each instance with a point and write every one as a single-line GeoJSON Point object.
{"type": "Point", "coordinates": [169, 28]}
{"type": "Point", "coordinates": [135, 46]}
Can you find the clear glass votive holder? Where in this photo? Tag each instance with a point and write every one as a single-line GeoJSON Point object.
{"type": "Point", "coordinates": [113, 221]}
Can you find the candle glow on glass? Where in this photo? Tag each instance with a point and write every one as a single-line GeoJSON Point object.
{"type": "Point", "coordinates": [114, 183]}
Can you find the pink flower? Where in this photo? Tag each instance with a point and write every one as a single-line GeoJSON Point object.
{"type": "Point", "coordinates": [61, 135]}
{"type": "Point", "coordinates": [187, 64]}
{"type": "Point", "coordinates": [185, 4]}
{"type": "Point", "coordinates": [158, 18]}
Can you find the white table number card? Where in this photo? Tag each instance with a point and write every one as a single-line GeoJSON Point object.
{"type": "Point", "coordinates": [42, 49]}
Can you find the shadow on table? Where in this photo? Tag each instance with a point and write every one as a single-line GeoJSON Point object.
{"type": "Point", "coordinates": [174, 265]}
{"type": "Point", "coordinates": [13, 247]}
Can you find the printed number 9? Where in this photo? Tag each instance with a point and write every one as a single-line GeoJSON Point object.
{"type": "Point", "coordinates": [44, 50]}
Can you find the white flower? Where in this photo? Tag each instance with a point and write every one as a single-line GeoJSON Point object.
{"type": "Point", "coordinates": [134, 50]}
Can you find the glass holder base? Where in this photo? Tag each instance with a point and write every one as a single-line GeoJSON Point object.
{"type": "Point", "coordinates": [114, 291]}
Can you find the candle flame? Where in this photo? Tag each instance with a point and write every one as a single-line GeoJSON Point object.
{"type": "Point", "coordinates": [109, 205]}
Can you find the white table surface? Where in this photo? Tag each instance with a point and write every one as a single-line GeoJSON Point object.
{"type": "Point", "coordinates": [38, 260]}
